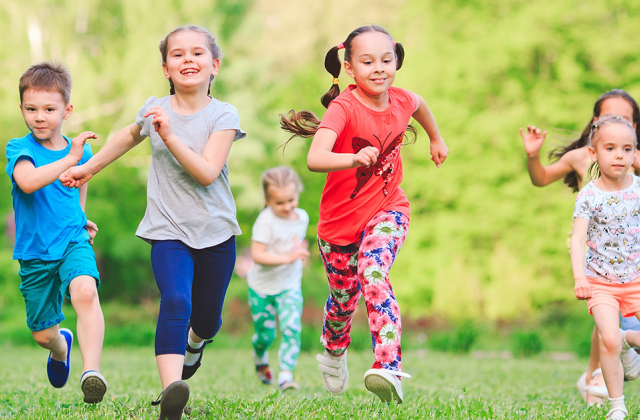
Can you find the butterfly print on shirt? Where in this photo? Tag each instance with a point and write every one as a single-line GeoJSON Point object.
{"type": "Point", "coordinates": [384, 166]}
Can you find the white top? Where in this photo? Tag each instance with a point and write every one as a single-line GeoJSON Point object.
{"type": "Point", "coordinates": [281, 237]}
{"type": "Point", "coordinates": [613, 233]}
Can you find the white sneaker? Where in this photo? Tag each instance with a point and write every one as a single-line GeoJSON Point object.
{"type": "Point", "coordinates": [385, 383]}
{"type": "Point", "coordinates": [335, 374]}
{"type": "Point", "coordinates": [630, 359]}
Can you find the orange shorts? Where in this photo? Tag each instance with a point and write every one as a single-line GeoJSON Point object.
{"type": "Point", "coordinates": [625, 297]}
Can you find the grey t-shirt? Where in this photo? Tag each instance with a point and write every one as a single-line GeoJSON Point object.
{"type": "Point", "coordinates": [178, 207]}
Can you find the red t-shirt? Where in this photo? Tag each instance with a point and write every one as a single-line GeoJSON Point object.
{"type": "Point", "coordinates": [351, 197]}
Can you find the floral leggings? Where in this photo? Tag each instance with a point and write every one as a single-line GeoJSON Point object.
{"type": "Point", "coordinates": [363, 268]}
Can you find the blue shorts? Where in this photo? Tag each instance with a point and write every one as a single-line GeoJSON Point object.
{"type": "Point", "coordinates": [44, 284]}
{"type": "Point", "coordinates": [630, 323]}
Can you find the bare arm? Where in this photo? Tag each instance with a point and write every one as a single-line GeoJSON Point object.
{"type": "Point", "coordinates": [321, 159]}
{"type": "Point", "coordinates": [30, 179]}
{"type": "Point", "coordinates": [545, 175]}
{"type": "Point", "coordinates": [206, 168]}
{"type": "Point", "coordinates": [423, 115]}
{"type": "Point", "coordinates": [122, 142]}
{"type": "Point", "coordinates": [578, 240]}
{"type": "Point", "coordinates": [260, 255]}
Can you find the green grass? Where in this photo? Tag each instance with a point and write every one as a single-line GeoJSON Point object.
{"type": "Point", "coordinates": [444, 386]}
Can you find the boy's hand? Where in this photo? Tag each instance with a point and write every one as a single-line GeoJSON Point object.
{"type": "Point", "coordinates": [533, 140]}
{"type": "Point", "coordinates": [439, 152]}
{"type": "Point", "coordinates": [582, 289]}
{"type": "Point", "coordinates": [300, 250]}
{"type": "Point", "coordinates": [75, 176]}
{"type": "Point", "coordinates": [366, 157]}
{"type": "Point", "coordinates": [161, 122]}
{"type": "Point", "coordinates": [92, 229]}
{"type": "Point", "coordinates": [77, 144]}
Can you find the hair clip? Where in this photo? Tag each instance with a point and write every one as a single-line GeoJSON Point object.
{"type": "Point", "coordinates": [595, 126]}
{"type": "Point", "coordinates": [394, 42]}
{"type": "Point", "coordinates": [336, 80]}
{"type": "Point", "coordinates": [341, 45]}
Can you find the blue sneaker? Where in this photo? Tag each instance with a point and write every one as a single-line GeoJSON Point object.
{"type": "Point", "coordinates": [58, 372]}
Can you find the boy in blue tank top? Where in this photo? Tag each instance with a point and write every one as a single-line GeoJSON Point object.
{"type": "Point", "coordinates": [53, 235]}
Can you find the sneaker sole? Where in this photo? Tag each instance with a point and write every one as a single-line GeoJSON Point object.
{"type": "Point", "coordinates": [382, 388]}
{"type": "Point", "coordinates": [94, 389]}
{"type": "Point", "coordinates": [174, 399]}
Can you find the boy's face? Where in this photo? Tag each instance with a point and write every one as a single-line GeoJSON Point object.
{"type": "Point", "coordinates": [43, 112]}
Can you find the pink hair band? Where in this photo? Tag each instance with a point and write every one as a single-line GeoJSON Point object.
{"type": "Point", "coordinates": [341, 45]}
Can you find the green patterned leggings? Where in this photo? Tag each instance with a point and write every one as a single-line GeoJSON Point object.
{"type": "Point", "coordinates": [288, 306]}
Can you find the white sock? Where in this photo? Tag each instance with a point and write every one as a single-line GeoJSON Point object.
{"type": "Point", "coordinates": [190, 359]}
{"type": "Point", "coordinates": [264, 360]}
{"type": "Point", "coordinates": [285, 376]}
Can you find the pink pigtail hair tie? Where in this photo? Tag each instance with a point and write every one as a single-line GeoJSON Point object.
{"type": "Point", "coordinates": [341, 45]}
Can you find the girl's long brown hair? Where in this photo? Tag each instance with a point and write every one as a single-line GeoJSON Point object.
{"type": "Point", "coordinates": [573, 178]}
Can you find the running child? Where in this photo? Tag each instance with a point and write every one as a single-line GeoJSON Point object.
{"type": "Point", "coordinates": [607, 221]}
{"type": "Point", "coordinates": [53, 235]}
{"type": "Point", "coordinates": [364, 214]}
{"type": "Point", "coordinates": [190, 220]}
{"type": "Point", "coordinates": [571, 162]}
{"type": "Point", "coordinates": [278, 250]}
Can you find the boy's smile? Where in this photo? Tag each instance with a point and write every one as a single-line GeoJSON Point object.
{"type": "Point", "coordinates": [43, 112]}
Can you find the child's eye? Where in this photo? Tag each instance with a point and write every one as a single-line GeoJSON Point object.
{"type": "Point", "coordinates": [50, 109]}
{"type": "Point", "coordinates": [609, 148]}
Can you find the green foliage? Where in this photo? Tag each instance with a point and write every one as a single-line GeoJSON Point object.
{"type": "Point", "coordinates": [526, 343]}
{"type": "Point", "coordinates": [460, 340]}
{"type": "Point", "coordinates": [483, 243]}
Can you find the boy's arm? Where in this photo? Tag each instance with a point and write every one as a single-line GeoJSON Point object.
{"type": "Point", "coordinates": [423, 115]}
{"type": "Point", "coordinates": [31, 179]}
{"type": "Point", "coordinates": [122, 142]}
{"type": "Point", "coordinates": [582, 288]}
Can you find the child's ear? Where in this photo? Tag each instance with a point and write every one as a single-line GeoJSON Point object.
{"type": "Point", "coordinates": [592, 153]}
{"type": "Point", "coordinates": [166, 71]}
{"type": "Point", "coordinates": [67, 112]}
{"type": "Point", "coordinates": [348, 68]}
{"type": "Point", "coordinates": [216, 66]}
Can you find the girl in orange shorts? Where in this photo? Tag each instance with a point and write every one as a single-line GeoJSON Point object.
{"type": "Point", "coordinates": [607, 221]}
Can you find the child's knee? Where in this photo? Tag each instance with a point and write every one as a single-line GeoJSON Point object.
{"type": "Point", "coordinates": [83, 291]}
{"type": "Point", "coordinates": [611, 342]}
{"type": "Point", "coordinates": [45, 337]}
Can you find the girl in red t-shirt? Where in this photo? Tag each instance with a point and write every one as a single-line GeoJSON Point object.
{"type": "Point", "coordinates": [364, 214]}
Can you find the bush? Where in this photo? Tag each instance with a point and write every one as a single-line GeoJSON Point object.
{"type": "Point", "coordinates": [458, 341]}
{"type": "Point", "coordinates": [526, 343]}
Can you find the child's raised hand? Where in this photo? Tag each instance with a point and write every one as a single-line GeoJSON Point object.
{"type": "Point", "coordinates": [582, 289]}
{"type": "Point", "coordinates": [75, 176]}
{"type": "Point", "coordinates": [300, 250]}
{"type": "Point", "coordinates": [439, 152]}
{"type": "Point", "coordinates": [92, 229]}
{"type": "Point", "coordinates": [533, 139]}
{"type": "Point", "coordinates": [366, 157]}
{"type": "Point", "coordinates": [77, 144]}
{"type": "Point", "coordinates": [161, 122]}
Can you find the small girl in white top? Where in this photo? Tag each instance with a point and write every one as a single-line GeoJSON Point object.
{"type": "Point", "coordinates": [278, 250]}
{"type": "Point", "coordinates": [607, 221]}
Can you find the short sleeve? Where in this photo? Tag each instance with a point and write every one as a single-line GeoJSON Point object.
{"type": "Point", "coordinates": [145, 123]}
{"type": "Point", "coordinates": [335, 118]}
{"type": "Point", "coordinates": [582, 207]}
{"type": "Point", "coordinates": [226, 118]}
{"type": "Point", "coordinates": [261, 231]}
{"type": "Point", "coordinates": [16, 150]}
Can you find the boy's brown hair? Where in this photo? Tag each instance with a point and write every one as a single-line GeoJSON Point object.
{"type": "Point", "coordinates": [48, 77]}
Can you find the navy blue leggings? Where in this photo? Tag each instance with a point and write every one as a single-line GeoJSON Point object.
{"type": "Point", "coordinates": [192, 284]}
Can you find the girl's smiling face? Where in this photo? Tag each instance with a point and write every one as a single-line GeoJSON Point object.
{"type": "Point", "coordinates": [372, 63]}
{"type": "Point", "coordinates": [190, 63]}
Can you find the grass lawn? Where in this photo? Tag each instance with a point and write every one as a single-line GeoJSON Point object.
{"type": "Point", "coordinates": [444, 386]}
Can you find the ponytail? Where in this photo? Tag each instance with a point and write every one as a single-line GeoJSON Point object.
{"type": "Point", "coordinates": [399, 54]}
{"type": "Point", "coordinates": [333, 65]}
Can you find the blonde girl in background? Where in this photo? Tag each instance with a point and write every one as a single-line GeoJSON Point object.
{"type": "Point", "coordinates": [607, 221]}
{"type": "Point", "coordinates": [570, 163]}
{"type": "Point", "coordinates": [364, 214]}
{"type": "Point", "coordinates": [278, 249]}
{"type": "Point", "coordinates": [190, 220]}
